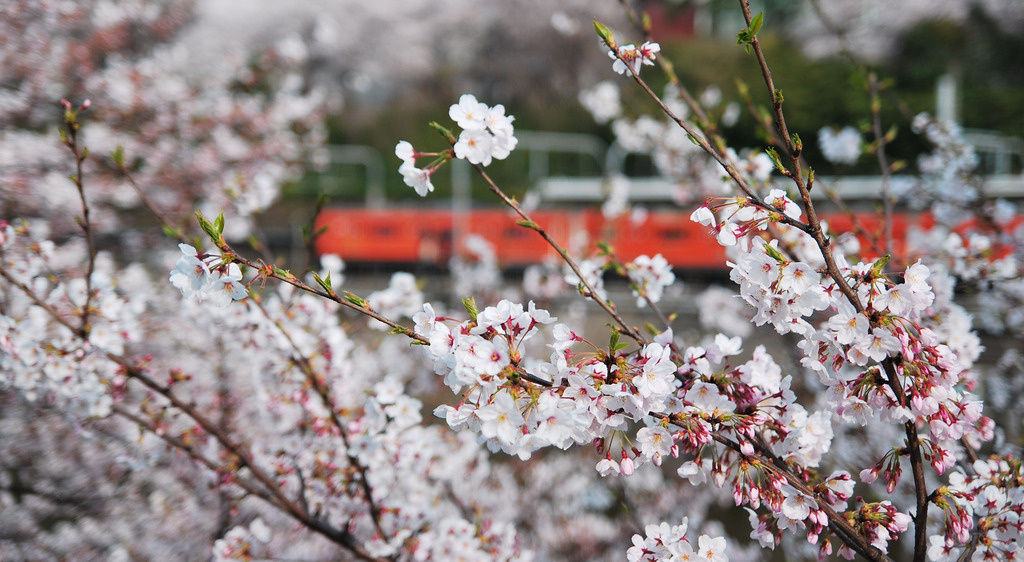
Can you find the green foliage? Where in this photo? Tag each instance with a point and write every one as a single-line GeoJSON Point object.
{"type": "Point", "coordinates": [981, 53]}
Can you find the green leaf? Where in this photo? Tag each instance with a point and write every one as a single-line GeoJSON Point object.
{"type": "Point", "coordinates": [355, 299]}
{"type": "Point", "coordinates": [755, 23]}
{"type": "Point", "coordinates": [605, 34]}
{"type": "Point", "coordinates": [207, 227]}
{"type": "Point", "coordinates": [471, 308]}
{"type": "Point", "coordinates": [169, 231]}
{"type": "Point", "coordinates": [218, 223]}
{"type": "Point", "coordinates": [774, 155]}
{"type": "Point", "coordinates": [742, 89]}
{"type": "Point", "coordinates": [325, 283]}
{"type": "Point", "coordinates": [118, 156]}
{"type": "Point", "coordinates": [771, 251]}
{"type": "Point", "coordinates": [880, 264]}
{"type": "Point", "coordinates": [614, 340]}
{"type": "Point", "coordinates": [890, 135]}
{"type": "Point", "coordinates": [528, 224]}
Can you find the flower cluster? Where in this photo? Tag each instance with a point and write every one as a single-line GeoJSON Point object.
{"type": "Point", "coordinates": [742, 216]}
{"type": "Point", "coordinates": [42, 357]}
{"type": "Point", "coordinates": [947, 185]}
{"type": "Point", "coordinates": [204, 277]}
{"type": "Point", "coordinates": [416, 178]}
{"type": "Point", "coordinates": [781, 291]}
{"type": "Point", "coordinates": [240, 542]}
{"type": "Point", "coordinates": [603, 101]}
{"type": "Point", "coordinates": [630, 58]}
{"type": "Point", "coordinates": [649, 277]}
{"type": "Point", "coordinates": [668, 542]}
{"type": "Point", "coordinates": [993, 497]}
{"type": "Point", "coordinates": [840, 147]}
{"type": "Point", "coordinates": [487, 133]}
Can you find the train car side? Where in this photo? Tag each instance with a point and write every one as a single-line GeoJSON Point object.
{"type": "Point", "coordinates": [430, 236]}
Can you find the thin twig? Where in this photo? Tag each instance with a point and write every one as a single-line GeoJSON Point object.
{"type": "Point", "coordinates": [629, 331]}
{"type": "Point", "coordinates": [71, 141]}
{"type": "Point", "coordinates": [316, 380]}
{"type": "Point", "coordinates": [268, 271]}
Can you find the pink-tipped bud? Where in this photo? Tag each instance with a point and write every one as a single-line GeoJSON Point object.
{"type": "Point", "coordinates": [626, 466]}
{"type": "Point", "coordinates": [746, 448]}
{"type": "Point", "coordinates": [869, 475]}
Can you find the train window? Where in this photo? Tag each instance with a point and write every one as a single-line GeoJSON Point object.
{"type": "Point", "coordinates": [383, 231]}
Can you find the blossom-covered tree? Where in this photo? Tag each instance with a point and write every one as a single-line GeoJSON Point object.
{"type": "Point", "coordinates": [239, 416]}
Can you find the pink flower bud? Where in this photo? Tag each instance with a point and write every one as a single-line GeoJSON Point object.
{"type": "Point", "coordinates": [626, 466]}
{"type": "Point", "coordinates": [746, 448]}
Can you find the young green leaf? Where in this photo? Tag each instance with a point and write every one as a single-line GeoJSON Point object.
{"type": "Point", "coordinates": [471, 308]}
{"type": "Point", "coordinates": [355, 299]}
{"type": "Point", "coordinates": [605, 34]}
{"type": "Point", "coordinates": [755, 24]}
{"type": "Point", "coordinates": [118, 156]}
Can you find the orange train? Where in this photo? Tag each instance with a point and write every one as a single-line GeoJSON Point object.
{"type": "Point", "coordinates": [425, 236]}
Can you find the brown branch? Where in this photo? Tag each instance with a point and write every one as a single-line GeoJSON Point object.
{"type": "Point", "coordinates": [703, 122]}
{"type": "Point", "coordinates": [339, 536]}
{"type": "Point", "coordinates": [913, 440]}
{"type": "Point", "coordinates": [837, 523]}
{"type": "Point", "coordinates": [269, 271]}
{"type": "Point", "coordinates": [718, 156]}
{"type": "Point", "coordinates": [916, 465]}
{"type": "Point", "coordinates": [316, 380]}
{"type": "Point", "coordinates": [342, 537]}
{"type": "Point", "coordinates": [71, 141]}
